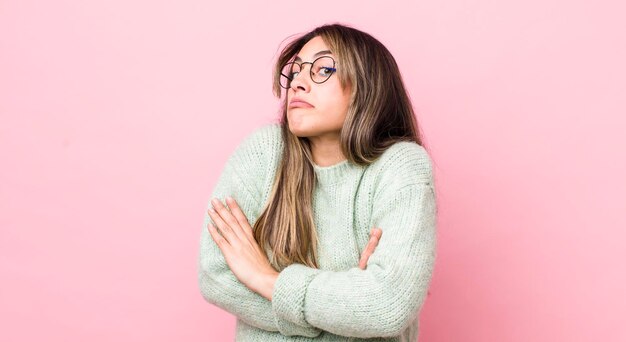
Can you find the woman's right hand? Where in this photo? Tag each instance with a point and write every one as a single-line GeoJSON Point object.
{"type": "Point", "coordinates": [375, 235]}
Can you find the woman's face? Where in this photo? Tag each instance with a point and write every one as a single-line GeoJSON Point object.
{"type": "Point", "coordinates": [328, 101]}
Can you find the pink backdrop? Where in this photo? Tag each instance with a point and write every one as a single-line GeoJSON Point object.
{"type": "Point", "coordinates": [117, 117]}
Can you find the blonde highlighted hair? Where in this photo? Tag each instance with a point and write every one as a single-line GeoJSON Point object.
{"type": "Point", "coordinates": [380, 114]}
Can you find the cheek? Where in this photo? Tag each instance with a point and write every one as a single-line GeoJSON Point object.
{"type": "Point", "coordinates": [340, 107]}
{"type": "Point", "coordinates": [338, 102]}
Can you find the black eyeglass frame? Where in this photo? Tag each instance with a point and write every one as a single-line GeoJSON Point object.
{"type": "Point", "coordinates": [333, 70]}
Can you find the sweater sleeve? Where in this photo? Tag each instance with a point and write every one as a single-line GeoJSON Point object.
{"type": "Point", "coordinates": [383, 299]}
{"type": "Point", "coordinates": [218, 285]}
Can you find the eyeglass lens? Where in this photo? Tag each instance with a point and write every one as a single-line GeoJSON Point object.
{"type": "Point", "coordinates": [321, 69]}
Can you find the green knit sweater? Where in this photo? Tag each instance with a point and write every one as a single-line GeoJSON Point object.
{"type": "Point", "coordinates": [339, 301]}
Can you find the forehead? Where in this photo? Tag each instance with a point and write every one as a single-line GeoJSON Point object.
{"type": "Point", "coordinates": [313, 49]}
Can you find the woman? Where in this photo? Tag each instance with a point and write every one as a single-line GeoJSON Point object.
{"type": "Point", "coordinates": [288, 252]}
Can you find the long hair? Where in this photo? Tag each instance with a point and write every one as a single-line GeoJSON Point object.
{"type": "Point", "coordinates": [379, 114]}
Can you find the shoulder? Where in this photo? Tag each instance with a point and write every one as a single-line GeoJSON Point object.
{"type": "Point", "coordinates": [403, 163]}
{"type": "Point", "coordinates": [258, 146]}
{"type": "Point", "coordinates": [254, 159]}
{"type": "Point", "coordinates": [264, 137]}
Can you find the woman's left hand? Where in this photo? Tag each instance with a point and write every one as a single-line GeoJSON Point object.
{"type": "Point", "coordinates": [244, 256]}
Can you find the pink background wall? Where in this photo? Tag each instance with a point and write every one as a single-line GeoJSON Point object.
{"type": "Point", "coordinates": [116, 118]}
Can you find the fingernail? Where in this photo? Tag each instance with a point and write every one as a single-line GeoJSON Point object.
{"type": "Point", "coordinates": [229, 199]}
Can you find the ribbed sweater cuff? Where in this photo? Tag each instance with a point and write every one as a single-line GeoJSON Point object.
{"type": "Point", "coordinates": [288, 300]}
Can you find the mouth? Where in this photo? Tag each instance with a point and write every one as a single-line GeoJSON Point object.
{"type": "Point", "coordinates": [297, 103]}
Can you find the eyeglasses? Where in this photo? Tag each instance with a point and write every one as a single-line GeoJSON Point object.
{"type": "Point", "coordinates": [321, 70]}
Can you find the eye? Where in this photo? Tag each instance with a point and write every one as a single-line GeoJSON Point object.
{"type": "Point", "coordinates": [293, 74]}
{"type": "Point", "coordinates": [325, 71]}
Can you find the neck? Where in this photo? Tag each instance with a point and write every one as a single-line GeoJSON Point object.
{"type": "Point", "coordinates": [326, 150]}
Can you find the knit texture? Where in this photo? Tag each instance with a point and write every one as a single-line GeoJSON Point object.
{"type": "Point", "coordinates": [338, 301]}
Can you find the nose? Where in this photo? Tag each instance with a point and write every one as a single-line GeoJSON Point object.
{"type": "Point", "coordinates": [303, 80]}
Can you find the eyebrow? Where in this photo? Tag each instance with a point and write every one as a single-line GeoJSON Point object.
{"type": "Point", "coordinates": [323, 52]}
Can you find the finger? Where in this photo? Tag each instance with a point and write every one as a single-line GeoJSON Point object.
{"type": "Point", "coordinates": [377, 232]}
{"type": "Point", "coordinates": [375, 235]}
{"type": "Point", "coordinates": [364, 258]}
{"type": "Point", "coordinates": [230, 219]}
{"type": "Point", "coordinates": [363, 261]}
{"type": "Point", "coordinates": [224, 212]}
{"type": "Point", "coordinates": [374, 238]}
{"type": "Point", "coordinates": [221, 226]}
{"type": "Point", "coordinates": [369, 249]}
{"type": "Point", "coordinates": [215, 235]}
{"type": "Point", "coordinates": [239, 215]}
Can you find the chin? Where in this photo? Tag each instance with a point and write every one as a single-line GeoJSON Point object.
{"type": "Point", "coordinates": [298, 132]}
{"type": "Point", "coordinates": [295, 124]}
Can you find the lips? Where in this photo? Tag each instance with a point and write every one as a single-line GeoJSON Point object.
{"type": "Point", "coordinates": [299, 103]}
